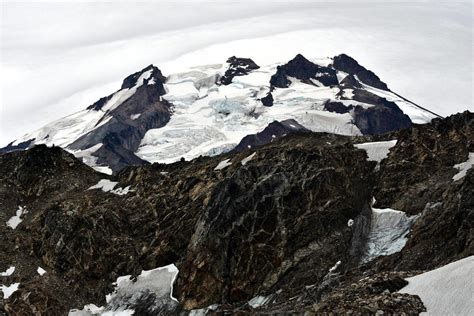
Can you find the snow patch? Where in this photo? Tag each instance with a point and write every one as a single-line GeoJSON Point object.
{"type": "Point", "coordinates": [350, 223]}
{"type": "Point", "coordinates": [108, 186]}
{"type": "Point", "coordinates": [447, 290]}
{"type": "Point", "coordinates": [335, 266]}
{"type": "Point", "coordinates": [9, 290]}
{"type": "Point", "coordinates": [8, 272]}
{"type": "Point", "coordinates": [40, 271]}
{"type": "Point", "coordinates": [388, 231]}
{"type": "Point", "coordinates": [14, 221]}
{"type": "Point", "coordinates": [377, 151]}
{"type": "Point", "coordinates": [128, 293]}
{"type": "Point", "coordinates": [463, 167]}
{"type": "Point", "coordinates": [223, 164]}
{"type": "Point", "coordinates": [247, 159]}
{"type": "Point", "coordinates": [258, 301]}
{"type": "Point", "coordinates": [135, 116]}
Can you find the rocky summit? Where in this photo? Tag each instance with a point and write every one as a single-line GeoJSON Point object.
{"type": "Point", "coordinates": [287, 221]}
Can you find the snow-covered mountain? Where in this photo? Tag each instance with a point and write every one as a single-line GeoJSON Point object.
{"type": "Point", "coordinates": [209, 109]}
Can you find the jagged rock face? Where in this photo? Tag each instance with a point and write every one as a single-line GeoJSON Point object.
{"type": "Point", "coordinates": [121, 134]}
{"type": "Point", "coordinates": [301, 68]}
{"type": "Point", "coordinates": [156, 75]}
{"type": "Point", "coordinates": [426, 154]}
{"type": "Point", "coordinates": [370, 295]}
{"type": "Point", "coordinates": [275, 226]}
{"type": "Point", "coordinates": [265, 224]}
{"type": "Point", "coordinates": [237, 67]}
{"type": "Point", "coordinates": [351, 66]}
{"type": "Point", "coordinates": [273, 131]}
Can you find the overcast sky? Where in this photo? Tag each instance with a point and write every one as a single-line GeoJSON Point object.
{"type": "Point", "coordinates": [59, 57]}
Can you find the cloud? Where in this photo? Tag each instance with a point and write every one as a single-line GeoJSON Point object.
{"type": "Point", "coordinates": [57, 58]}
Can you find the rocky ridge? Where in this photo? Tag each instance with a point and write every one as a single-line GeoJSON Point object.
{"type": "Point", "coordinates": [284, 224]}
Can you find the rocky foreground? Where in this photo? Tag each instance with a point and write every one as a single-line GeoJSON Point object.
{"type": "Point", "coordinates": [293, 226]}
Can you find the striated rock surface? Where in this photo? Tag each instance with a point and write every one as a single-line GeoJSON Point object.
{"type": "Point", "coordinates": [286, 230]}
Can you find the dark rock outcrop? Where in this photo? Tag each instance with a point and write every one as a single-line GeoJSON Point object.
{"type": "Point", "coordinates": [380, 119]}
{"type": "Point", "coordinates": [337, 107]}
{"type": "Point", "coordinates": [273, 131]}
{"type": "Point", "coordinates": [237, 67]}
{"type": "Point", "coordinates": [20, 146]}
{"type": "Point", "coordinates": [267, 100]}
{"type": "Point", "coordinates": [304, 70]}
{"type": "Point", "coordinates": [121, 134]}
{"type": "Point", "coordinates": [156, 75]}
{"type": "Point", "coordinates": [351, 66]}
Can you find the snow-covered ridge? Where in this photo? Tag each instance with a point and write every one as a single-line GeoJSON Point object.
{"type": "Point", "coordinates": [209, 117]}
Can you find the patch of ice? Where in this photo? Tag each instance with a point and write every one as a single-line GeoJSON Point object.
{"type": "Point", "coordinates": [8, 272]}
{"type": "Point", "coordinates": [447, 290]}
{"type": "Point", "coordinates": [258, 301]}
{"type": "Point", "coordinates": [108, 186]}
{"type": "Point", "coordinates": [128, 293]}
{"type": "Point", "coordinates": [463, 167]}
{"type": "Point", "coordinates": [388, 231]}
{"type": "Point", "coordinates": [41, 271]}
{"type": "Point", "coordinates": [223, 164]}
{"type": "Point", "coordinates": [247, 159]}
{"type": "Point", "coordinates": [377, 151]}
{"type": "Point", "coordinates": [14, 221]}
{"type": "Point", "coordinates": [9, 290]}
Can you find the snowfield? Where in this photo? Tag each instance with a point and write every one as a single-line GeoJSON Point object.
{"type": "Point", "coordinates": [209, 118]}
{"type": "Point", "coordinates": [447, 290]}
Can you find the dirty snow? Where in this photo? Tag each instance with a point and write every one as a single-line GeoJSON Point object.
{"type": "Point", "coordinates": [8, 272]}
{"type": "Point", "coordinates": [463, 167]}
{"type": "Point", "coordinates": [108, 186]}
{"type": "Point", "coordinates": [377, 151]}
{"type": "Point", "coordinates": [447, 290]}
{"type": "Point", "coordinates": [247, 159]}
{"type": "Point", "coordinates": [14, 221]}
{"type": "Point", "coordinates": [223, 164]}
{"type": "Point", "coordinates": [258, 301]}
{"type": "Point", "coordinates": [127, 292]}
{"type": "Point", "coordinates": [40, 271]}
{"type": "Point", "coordinates": [9, 290]}
{"type": "Point", "coordinates": [388, 232]}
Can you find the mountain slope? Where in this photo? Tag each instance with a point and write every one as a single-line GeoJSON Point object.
{"type": "Point", "coordinates": [209, 109]}
{"type": "Point", "coordinates": [281, 228]}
